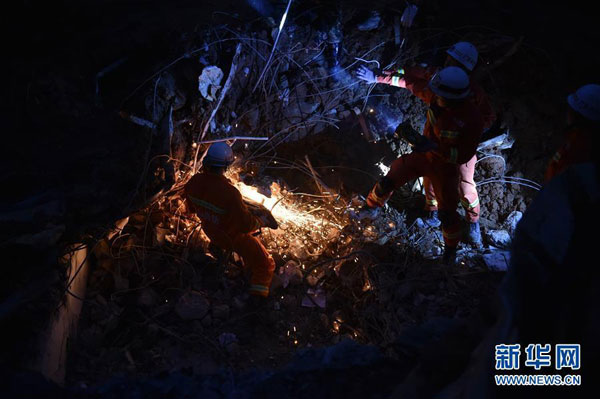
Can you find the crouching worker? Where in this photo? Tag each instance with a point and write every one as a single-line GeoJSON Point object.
{"type": "Point", "coordinates": [226, 220]}
{"type": "Point", "coordinates": [450, 138]}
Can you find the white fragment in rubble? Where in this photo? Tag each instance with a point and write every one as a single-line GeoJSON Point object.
{"type": "Point", "coordinates": [512, 221]}
{"type": "Point", "coordinates": [209, 82]}
{"type": "Point", "coordinates": [497, 261]}
{"type": "Point", "coordinates": [499, 238]}
{"type": "Point", "coordinates": [383, 168]}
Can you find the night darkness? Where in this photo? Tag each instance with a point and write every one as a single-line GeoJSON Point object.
{"type": "Point", "coordinates": [198, 200]}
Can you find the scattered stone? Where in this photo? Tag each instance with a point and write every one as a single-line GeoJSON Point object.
{"type": "Point", "coordinates": [314, 297]}
{"type": "Point", "coordinates": [499, 238]}
{"type": "Point", "coordinates": [512, 221]}
{"type": "Point", "coordinates": [239, 303]}
{"type": "Point", "coordinates": [289, 301]}
{"type": "Point", "coordinates": [229, 342]}
{"type": "Point", "coordinates": [220, 312]}
{"type": "Point", "coordinates": [324, 320]}
{"type": "Point", "coordinates": [312, 280]}
{"type": "Point", "coordinates": [207, 321]}
{"type": "Point", "coordinates": [290, 274]}
{"type": "Point", "coordinates": [147, 298]}
{"type": "Point", "coordinates": [370, 23]}
{"type": "Point", "coordinates": [192, 306]}
{"type": "Point", "coordinates": [497, 261]}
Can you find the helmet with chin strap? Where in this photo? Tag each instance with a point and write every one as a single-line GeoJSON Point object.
{"type": "Point", "coordinates": [450, 83]}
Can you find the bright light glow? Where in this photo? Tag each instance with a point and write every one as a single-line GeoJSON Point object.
{"type": "Point", "coordinates": [281, 211]}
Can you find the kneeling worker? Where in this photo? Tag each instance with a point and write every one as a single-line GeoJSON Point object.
{"type": "Point", "coordinates": [226, 220]}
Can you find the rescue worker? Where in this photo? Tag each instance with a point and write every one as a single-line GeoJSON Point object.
{"type": "Point", "coordinates": [582, 133]}
{"type": "Point", "coordinates": [465, 56]}
{"type": "Point", "coordinates": [226, 220]}
{"type": "Point", "coordinates": [453, 129]}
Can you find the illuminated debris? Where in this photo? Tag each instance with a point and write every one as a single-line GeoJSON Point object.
{"type": "Point", "coordinates": [499, 238]}
{"type": "Point", "coordinates": [512, 220]}
{"type": "Point", "coordinates": [314, 297]}
{"type": "Point", "coordinates": [290, 273]}
{"type": "Point", "coordinates": [209, 82]}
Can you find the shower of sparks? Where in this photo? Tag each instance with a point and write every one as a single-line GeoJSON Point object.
{"type": "Point", "coordinates": [282, 211]}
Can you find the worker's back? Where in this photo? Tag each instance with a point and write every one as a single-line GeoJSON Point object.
{"type": "Point", "coordinates": [220, 207]}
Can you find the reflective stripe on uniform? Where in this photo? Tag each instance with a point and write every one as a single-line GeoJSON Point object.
{"type": "Point", "coordinates": [453, 154]}
{"type": "Point", "coordinates": [450, 134]}
{"type": "Point", "coordinates": [470, 205]}
{"type": "Point", "coordinates": [207, 205]}
{"type": "Point", "coordinates": [431, 117]}
{"type": "Point", "coordinates": [259, 289]}
{"type": "Point", "coordinates": [432, 202]}
{"type": "Point", "coordinates": [395, 80]}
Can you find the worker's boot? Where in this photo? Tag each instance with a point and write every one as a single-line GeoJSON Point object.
{"type": "Point", "coordinates": [449, 258]}
{"type": "Point", "coordinates": [432, 219]}
{"type": "Point", "coordinates": [474, 235]}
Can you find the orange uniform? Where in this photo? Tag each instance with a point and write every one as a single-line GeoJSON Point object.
{"type": "Point", "coordinates": [228, 223]}
{"type": "Point", "coordinates": [416, 79]}
{"type": "Point", "coordinates": [576, 149]}
{"type": "Point", "coordinates": [456, 131]}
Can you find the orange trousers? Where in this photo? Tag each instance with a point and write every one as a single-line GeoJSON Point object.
{"type": "Point", "coordinates": [257, 260]}
{"type": "Point", "coordinates": [466, 187]}
{"type": "Point", "coordinates": [444, 180]}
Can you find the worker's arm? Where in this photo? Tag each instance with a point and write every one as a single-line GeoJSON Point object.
{"type": "Point", "coordinates": [392, 78]}
{"type": "Point", "coordinates": [246, 221]}
{"type": "Point", "coordinates": [416, 79]}
{"type": "Point", "coordinates": [576, 149]}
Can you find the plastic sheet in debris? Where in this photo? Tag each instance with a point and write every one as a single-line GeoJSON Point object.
{"type": "Point", "coordinates": [209, 82]}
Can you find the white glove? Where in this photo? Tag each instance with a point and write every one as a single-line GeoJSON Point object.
{"type": "Point", "coordinates": [364, 73]}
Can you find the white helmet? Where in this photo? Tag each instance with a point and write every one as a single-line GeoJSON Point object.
{"type": "Point", "coordinates": [586, 101]}
{"type": "Point", "coordinates": [451, 82]}
{"type": "Point", "coordinates": [465, 53]}
{"type": "Point", "coordinates": [219, 155]}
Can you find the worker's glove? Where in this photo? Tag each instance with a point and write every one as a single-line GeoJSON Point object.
{"type": "Point", "coordinates": [364, 73]}
{"type": "Point", "coordinates": [267, 220]}
{"type": "Point", "coordinates": [381, 192]}
{"type": "Point", "coordinates": [417, 141]}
